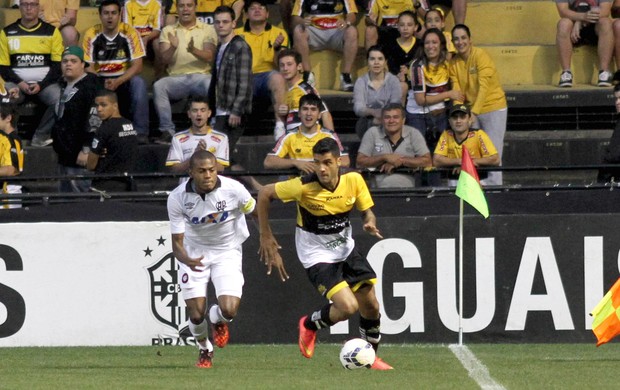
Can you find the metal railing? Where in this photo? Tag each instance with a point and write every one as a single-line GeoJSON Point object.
{"type": "Point", "coordinates": [161, 194]}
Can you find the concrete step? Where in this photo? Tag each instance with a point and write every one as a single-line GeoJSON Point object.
{"type": "Point", "coordinates": [521, 149]}
{"type": "Point", "coordinates": [511, 22]}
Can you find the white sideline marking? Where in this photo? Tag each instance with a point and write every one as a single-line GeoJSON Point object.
{"type": "Point", "coordinates": [477, 371]}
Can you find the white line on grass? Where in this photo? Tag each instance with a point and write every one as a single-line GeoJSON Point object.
{"type": "Point", "coordinates": [477, 371]}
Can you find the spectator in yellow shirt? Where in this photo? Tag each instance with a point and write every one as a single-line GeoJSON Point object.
{"type": "Point", "coordinates": [62, 14]}
{"type": "Point", "coordinates": [473, 73]}
{"type": "Point", "coordinates": [265, 41]}
{"type": "Point", "coordinates": [449, 150]}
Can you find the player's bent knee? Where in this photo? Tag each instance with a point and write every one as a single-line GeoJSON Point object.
{"type": "Point", "coordinates": [347, 308]}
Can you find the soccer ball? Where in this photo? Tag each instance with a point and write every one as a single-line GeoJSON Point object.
{"type": "Point", "coordinates": [357, 353]}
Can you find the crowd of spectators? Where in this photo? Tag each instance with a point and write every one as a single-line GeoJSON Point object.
{"type": "Point", "coordinates": [427, 92]}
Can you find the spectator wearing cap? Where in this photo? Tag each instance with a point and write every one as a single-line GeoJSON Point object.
{"type": "Point", "coordinates": [391, 146]}
{"type": "Point", "coordinates": [449, 150]}
{"type": "Point", "coordinates": [32, 62]}
{"type": "Point", "coordinates": [266, 40]}
{"type": "Point", "coordinates": [75, 121]}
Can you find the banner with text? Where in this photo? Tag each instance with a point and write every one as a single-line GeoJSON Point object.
{"type": "Point", "coordinates": [527, 279]}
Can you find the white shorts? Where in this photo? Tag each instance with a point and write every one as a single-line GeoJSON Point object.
{"type": "Point", "coordinates": [222, 267]}
{"type": "Point", "coordinates": [332, 39]}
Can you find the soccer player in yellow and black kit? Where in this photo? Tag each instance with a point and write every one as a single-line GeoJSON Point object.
{"type": "Point", "coordinates": [325, 245]}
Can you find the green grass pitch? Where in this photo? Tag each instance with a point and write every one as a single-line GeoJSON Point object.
{"type": "Point", "coordinates": [417, 366]}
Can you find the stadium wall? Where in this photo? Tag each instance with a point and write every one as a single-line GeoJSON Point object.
{"type": "Point", "coordinates": [103, 273]}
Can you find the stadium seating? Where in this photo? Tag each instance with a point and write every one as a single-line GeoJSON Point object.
{"type": "Point", "coordinates": [547, 125]}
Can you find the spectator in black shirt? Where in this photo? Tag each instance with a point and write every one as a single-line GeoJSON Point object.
{"type": "Point", "coordinates": [72, 131]}
{"type": "Point", "coordinates": [114, 147]}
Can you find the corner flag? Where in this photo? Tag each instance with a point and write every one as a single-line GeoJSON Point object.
{"type": "Point", "coordinates": [606, 324]}
{"type": "Point", "coordinates": [468, 188]}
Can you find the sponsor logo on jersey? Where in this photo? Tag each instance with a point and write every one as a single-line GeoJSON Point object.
{"type": "Point", "coordinates": [216, 139]}
{"type": "Point", "coordinates": [183, 138]}
{"type": "Point", "coordinates": [29, 60]}
{"type": "Point", "coordinates": [336, 243]}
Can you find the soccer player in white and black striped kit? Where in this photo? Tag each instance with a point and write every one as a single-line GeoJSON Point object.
{"type": "Point", "coordinates": [207, 222]}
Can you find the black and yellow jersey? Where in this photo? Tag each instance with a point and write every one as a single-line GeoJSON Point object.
{"type": "Point", "coordinates": [324, 14]}
{"type": "Point", "coordinates": [11, 153]}
{"type": "Point", "coordinates": [112, 57]}
{"type": "Point", "coordinates": [30, 52]}
{"type": "Point", "coordinates": [324, 233]}
{"type": "Point", "coordinates": [293, 95]}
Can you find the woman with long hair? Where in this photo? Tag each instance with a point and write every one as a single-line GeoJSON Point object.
{"type": "Point", "coordinates": [373, 91]}
{"type": "Point", "coordinates": [473, 72]}
{"type": "Point", "coordinates": [430, 91]}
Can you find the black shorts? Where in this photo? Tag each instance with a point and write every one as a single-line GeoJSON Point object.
{"type": "Point", "coordinates": [588, 36]}
{"type": "Point", "coordinates": [353, 272]}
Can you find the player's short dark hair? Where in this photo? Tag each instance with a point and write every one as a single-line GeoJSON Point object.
{"type": "Point", "coordinates": [311, 100]}
{"type": "Point", "coordinates": [197, 99]}
{"type": "Point", "coordinates": [224, 9]}
{"type": "Point", "coordinates": [289, 53]}
{"type": "Point", "coordinates": [200, 155]}
{"type": "Point", "coordinates": [107, 93]}
{"type": "Point", "coordinates": [7, 109]}
{"type": "Point", "coordinates": [105, 3]}
{"type": "Point", "coordinates": [393, 106]}
{"type": "Point", "coordinates": [326, 145]}
{"type": "Point", "coordinates": [463, 27]}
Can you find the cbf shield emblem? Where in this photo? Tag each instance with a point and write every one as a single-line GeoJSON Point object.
{"type": "Point", "coordinates": [165, 293]}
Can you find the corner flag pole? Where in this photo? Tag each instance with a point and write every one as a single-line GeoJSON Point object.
{"type": "Point", "coordinates": [461, 273]}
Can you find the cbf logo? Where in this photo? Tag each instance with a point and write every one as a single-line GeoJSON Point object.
{"type": "Point", "coordinates": [166, 303]}
{"type": "Point", "coordinates": [165, 292]}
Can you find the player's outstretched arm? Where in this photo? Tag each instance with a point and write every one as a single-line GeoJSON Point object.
{"type": "Point", "coordinates": [269, 249]}
{"type": "Point", "coordinates": [181, 254]}
{"type": "Point", "coordinates": [370, 223]}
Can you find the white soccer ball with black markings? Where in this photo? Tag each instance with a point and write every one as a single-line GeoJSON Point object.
{"type": "Point", "coordinates": [357, 353]}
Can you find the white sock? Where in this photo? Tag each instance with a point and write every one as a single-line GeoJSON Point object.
{"type": "Point", "coordinates": [215, 315]}
{"type": "Point", "coordinates": [201, 333]}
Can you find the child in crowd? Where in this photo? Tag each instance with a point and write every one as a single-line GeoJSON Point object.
{"type": "Point", "coordinates": [400, 52]}
{"type": "Point", "coordinates": [382, 20]}
{"type": "Point", "coordinates": [435, 18]}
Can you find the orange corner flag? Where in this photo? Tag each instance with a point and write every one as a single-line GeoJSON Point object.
{"type": "Point", "coordinates": [606, 323]}
{"type": "Point", "coordinates": [468, 188]}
